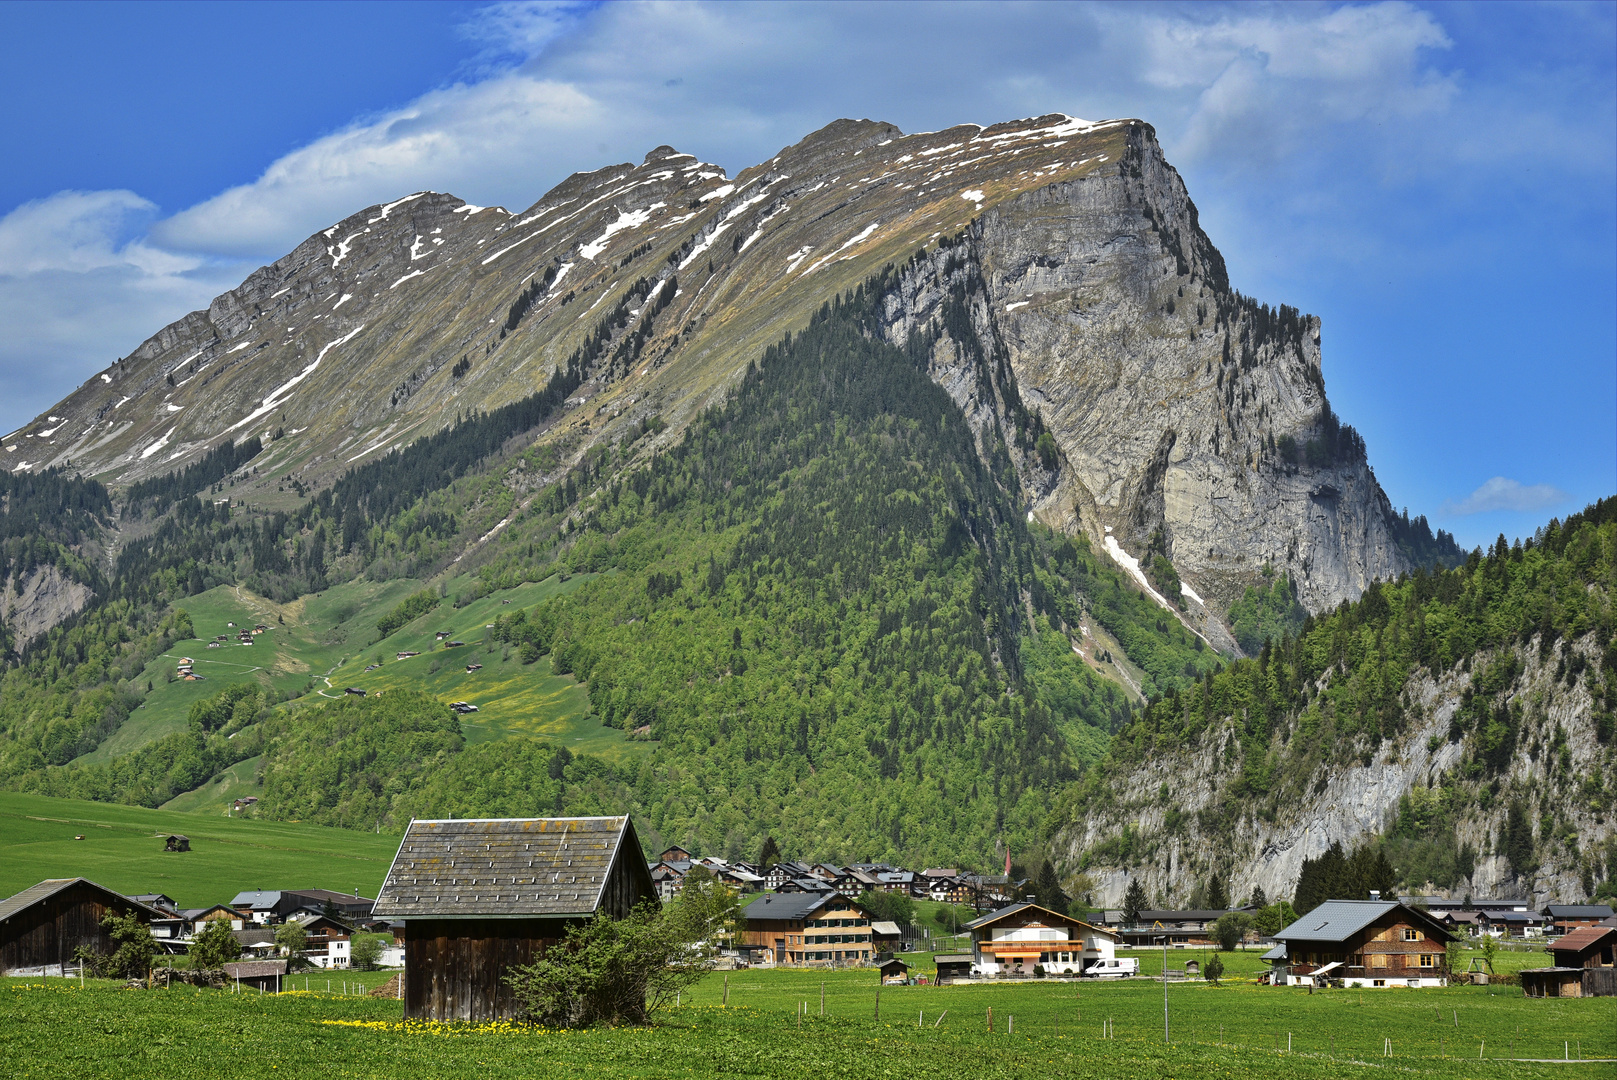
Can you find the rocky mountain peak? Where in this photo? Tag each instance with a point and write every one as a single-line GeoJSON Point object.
{"type": "Point", "coordinates": [1062, 261]}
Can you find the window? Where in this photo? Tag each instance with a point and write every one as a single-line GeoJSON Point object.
{"type": "Point", "coordinates": [1412, 935]}
{"type": "Point", "coordinates": [1378, 960]}
{"type": "Point", "coordinates": [1428, 960]}
{"type": "Point", "coordinates": [1378, 982]}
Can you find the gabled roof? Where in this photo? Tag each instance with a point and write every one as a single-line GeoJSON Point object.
{"type": "Point", "coordinates": [257, 899]}
{"type": "Point", "coordinates": [195, 913]}
{"type": "Point", "coordinates": [1276, 954]}
{"type": "Point", "coordinates": [506, 867]}
{"type": "Point", "coordinates": [993, 917]}
{"type": "Point", "coordinates": [885, 928]}
{"type": "Point", "coordinates": [1338, 920]}
{"type": "Point", "coordinates": [1578, 911]}
{"type": "Point", "coordinates": [791, 905]}
{"type": "Point", "coordinates": [1584, 937]}
{"type": "Point", "coordinates": [51, 886]}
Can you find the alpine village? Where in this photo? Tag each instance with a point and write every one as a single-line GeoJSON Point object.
{"type": "Point", "coordinates": [901, 587]}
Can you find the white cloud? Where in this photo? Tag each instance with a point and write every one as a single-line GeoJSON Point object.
{"type": "Point", "coordinates": [1502, 493]}
{"type": "Point", "coordinates": [76, 292]}
{"type": "Point", "coordinates": [1288, 120]}
{"type": "Point", "coordinates": [1266, 79]}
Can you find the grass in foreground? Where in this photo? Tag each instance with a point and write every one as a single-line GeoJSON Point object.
{"type": "Point", "coordinates": [54, 1029]}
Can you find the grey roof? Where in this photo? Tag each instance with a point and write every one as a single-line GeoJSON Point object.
{"type": "Point", "coordinates": [504, 867]}
{"type": "Point", "coordinates": [51, 886]}
{"type": "Point", "coordinates": [1011, 909]}
{"type": "Point", "coordinates": [1578, 911]}
{"type": "Point", "coordinates": [888, 929]}
{"type": "Point", "coordinates": [1195, 915]}
{"type": "Point", "coordinates": [256, 899]}
{"type": "Point", "coordinates": [952, 958]}
{"type": "Point", "coordinates": [790, 905]}
{"type": "Point", "coordinates": [248, 969]}
{"type": "Point", "coordinates": [1276, 953]}
{"type": "Point", "coordinates": [1338, 920]}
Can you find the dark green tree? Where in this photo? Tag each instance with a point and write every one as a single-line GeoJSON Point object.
{"type": "Point", "coordinates": [1218, 897]}
{"type": "Point", "coordinates": [1134, 899]}
{"type": "Point", "coordinates": [1047, 891]}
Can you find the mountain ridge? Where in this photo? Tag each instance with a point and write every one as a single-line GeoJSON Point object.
{"type": "Point", "coordinates": [337, 348]}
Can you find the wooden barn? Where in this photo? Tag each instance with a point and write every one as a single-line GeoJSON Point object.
{"type": "Point", "coordinates": [42, 927]}
{"type": "Point", "coordinates": [479, 897]}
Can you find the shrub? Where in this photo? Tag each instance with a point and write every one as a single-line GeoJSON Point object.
{"type": "Point", "coordinates": [610, 971]}
{"type": "Point", "coordinates": [1213, 970]}
{"type": "Point", "coordinates": [214, 946]}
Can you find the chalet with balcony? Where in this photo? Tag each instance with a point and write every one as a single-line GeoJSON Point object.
{"type": "Point", "coordinates": [816, 928]}
{"type": "Point", "coordinates": [1565, 918]}
{"type": "Point", "coordinates": [1363, 943]}
{"type": "Point", "coordinates": [1015, 939]}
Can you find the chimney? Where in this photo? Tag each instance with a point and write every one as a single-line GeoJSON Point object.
{"type": "Point", "coordinates": [1375, 894]}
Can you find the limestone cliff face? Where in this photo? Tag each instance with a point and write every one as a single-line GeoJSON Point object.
{"type": "Point", "coordinates": [1558, 752]}
{"type": "Point", "coordinates": [1091, 298]}
{"type": "Point", "coordinates": [1176, 404]}
{"type": "Point", "coordinates": [38, 601]}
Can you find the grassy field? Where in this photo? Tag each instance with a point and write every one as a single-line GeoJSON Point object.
{"type": "Point", "coordinates": [52, 1028]}
{"type": "Point", "coordinates": [321, 644]}
{"type": "Point", "coordinates": [123, 850]}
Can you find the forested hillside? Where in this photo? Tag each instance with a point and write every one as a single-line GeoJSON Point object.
{"type": "Point", "coordinates": [826, 613]}
{"type": "Point", "coordinates": [1521, 753]}
{"type": "Point", "coordinates": [831, 618]}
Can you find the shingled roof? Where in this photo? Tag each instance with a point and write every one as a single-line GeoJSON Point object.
{"type": "Point", "coordinates": [505, 867]}
{"type": "Point", "coordinates": [51, 886]}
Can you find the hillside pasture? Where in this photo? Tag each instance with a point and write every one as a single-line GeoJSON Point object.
{"type": "Point", "coordinates": [123, 850]}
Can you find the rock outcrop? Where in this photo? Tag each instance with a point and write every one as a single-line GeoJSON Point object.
{"type": "Point", "coordinates": [1162, 802]}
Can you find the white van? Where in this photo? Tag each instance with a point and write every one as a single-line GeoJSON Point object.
{"type": "Point", "coordinates": [1120, 968]}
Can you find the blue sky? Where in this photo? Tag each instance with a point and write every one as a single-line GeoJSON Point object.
{"type": "Point", "coordinates": [1438, 182]}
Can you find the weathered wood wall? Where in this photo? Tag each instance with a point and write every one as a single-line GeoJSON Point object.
{"type": "Point", "coordinates": [51, 931]}
{"type": "Point", "coordinates": [454, 969]}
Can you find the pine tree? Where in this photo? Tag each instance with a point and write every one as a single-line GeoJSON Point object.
{"type": "Point", "coordinates": [769, 854]}
{"type": "Point", "coordinates": [1047, 889]}
{"type": "Point", "coordinates": [1260, 899]}
{"type": "Point", "coordinates": [1218, 897]}
{"type": "Point", "coordinates": [1133, 900]}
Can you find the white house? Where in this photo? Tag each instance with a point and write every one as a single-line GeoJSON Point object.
{"type": "Point", "coordinates": [1015, 939]}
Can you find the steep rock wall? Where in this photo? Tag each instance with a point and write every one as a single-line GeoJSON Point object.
{"type": "Point", "coordinates": [1163, 802]}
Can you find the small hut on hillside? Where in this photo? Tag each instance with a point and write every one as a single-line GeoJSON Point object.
{"type": "Point", "coordinates": [479, 897]}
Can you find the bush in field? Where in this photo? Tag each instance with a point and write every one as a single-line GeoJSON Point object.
{"type": "Point", "coordinates": [132, 958]}
{"type": "Point", "coordinates": [366, 952]}
{"type": "Point", "coordinates": [214, 947]}
{"type": "Point", "coordinates": [888, 906]}
{"type": "Point", "coordinates": [611, 971]}
{"type": "Point", "coordinates": [293, 942]}
{"type": "Point", "coordinates": [1230, 928]}
{"type": "Point", "coordinates": [1213, 970]}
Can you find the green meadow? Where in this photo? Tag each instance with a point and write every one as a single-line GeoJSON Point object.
{"type": "Point", "coordinates": [318, 646]}
{"type": "Point", "coordinates": [123, 850]}
{"type": "Point", "coordinates": [773, 1026]}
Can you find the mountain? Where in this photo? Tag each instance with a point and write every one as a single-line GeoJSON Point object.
{"type": "Point", "coordinates": [861, 501]}
{"type": "Point", "coordinates": [1185, 420]}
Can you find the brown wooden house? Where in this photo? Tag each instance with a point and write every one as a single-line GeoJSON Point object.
{"type": "Point", "coordinates": [481, 896]}
{"type": "Point", "coordinates": [1584, 966]}
{"type": "Point", "coordinates": [42, 927]}
{"type": "Point", "coordinates": [1367, 943]}
{"type": "Point", "coordinates": [806, 928]}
